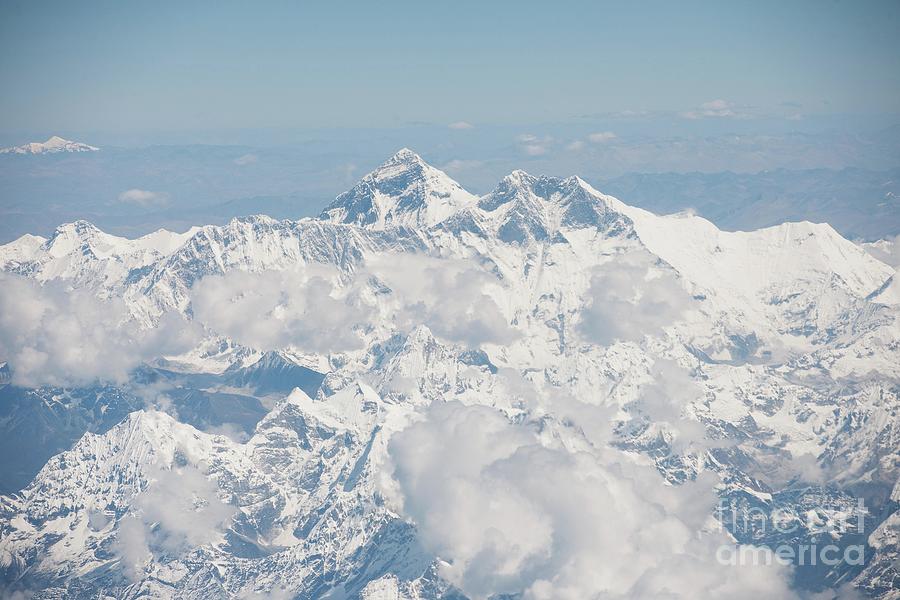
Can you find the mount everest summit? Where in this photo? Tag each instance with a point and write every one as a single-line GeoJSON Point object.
{"type": "Point", "coordinates": [541, 392]}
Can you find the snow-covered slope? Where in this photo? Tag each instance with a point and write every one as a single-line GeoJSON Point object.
{"type": "Point", "coordinates": [300, 488]}
{"type": "Point", "coordinates": [576, 338]}
{"type": "Point", "coordinates": [53, 145]}
{"type": "Point", "coordinates": [81, 253]}
{"type": "Point", "coordinates": [404, 191]}
{"type": "Point", "coordinates": [766, 265]}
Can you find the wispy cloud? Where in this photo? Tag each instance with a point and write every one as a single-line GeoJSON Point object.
{"type": "Point", "coordinates": [468, 476]}
{"type": "Point", "coordinates": [461, 165]}
{"type": "Point", "coordinates": [143, 197]}
{"type": "Point", "coordinates": [305, 308]}
{"type": "Point", "coordinates": [56, 336]}
{"type": "Point", "coordinates": [601, 136]}
{"type": "Point", "coordinates": [533, 145]}
{"type": "Point", "coordinates": [179, 510]}
{"type": "Point", "coordinates": [348, 171]}
{"type": "Point", "coordinates": [714, 109]}
{"type": "Point", "coordinates": [461, 125]}
{"type": "Point", "coordinates": [630, 300]}
{"type": "Point", "coordinates": [631, 114]}
{"type": "Point", "coordinates": [420, 286]}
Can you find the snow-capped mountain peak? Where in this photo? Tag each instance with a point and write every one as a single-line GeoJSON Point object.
{"type": "Point", "coordinates": [525, 207]}
{"type": "Point", "coordinates": [405, 155]}
{"type": "Point", "coordinates": [546, 301]}
{"type": "Point", "coordinates": [81, 252]}
{"type": "Point", "coordinates": [53, 145]}
{"type": "Point", "coordinates": [403, 191]}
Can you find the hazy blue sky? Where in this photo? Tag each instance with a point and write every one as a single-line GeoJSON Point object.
{"type": "Point", "coordinates": [176, 66]}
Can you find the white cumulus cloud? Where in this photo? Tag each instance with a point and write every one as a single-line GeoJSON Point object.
{"type": "Point", "coordinates": [601, 136]}
{"type": "Point", "coordinates": [51, 335]}
{"type": "Point", "coordinates": [180, 510]}
{"type": "Point", "coordinates": [713, 109]}
{"type": "Point", "coordinates": [454, 298]}
{"type": "Point", "coordinates": [461, 165]}
{"type": "Point", "coordinates": [307, 308]}
{"type": "Point", "coordinates": [508, 511]}
{"type": "Point", "coordinates": [629, 298]}
{"type": "Point", "coordinates": [143, 198]}
{"type": "Point", "coordinates": [532, 145]}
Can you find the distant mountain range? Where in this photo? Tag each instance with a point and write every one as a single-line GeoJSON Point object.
{"type": "Point", "coordinates": [184, 186]}
{"type": "Point", "coordinates": [53, 145]}
{"type": "Point", "coordinates": [426, 393]}
{"type": "Point", "coordinates": [860, 204]}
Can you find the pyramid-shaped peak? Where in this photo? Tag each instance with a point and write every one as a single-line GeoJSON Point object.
{"type": "Point", "coordinates": [525, 207]}
{"type": "Point", "coordinates": [523, 187]}
{"type": "Point", "coordinates": [517, 179]}
{"type": "Point", "coordinates": [80, 228]}
{"type": "Point", "coordinates": [403, 191]}
{"type": "Point", "coordinates": [404, 163]}
{"type": "Point", "coordinates": [405, 155]}
{"type": "Point", "coordinates": [543, 186]}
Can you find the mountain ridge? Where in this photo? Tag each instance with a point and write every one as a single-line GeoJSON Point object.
{"type": "Point", "coordinates": [53, 145]}
{"type": "Point", "coordinates": [403, 191]}
{"type": "Point", "coordinates": [544, 315]}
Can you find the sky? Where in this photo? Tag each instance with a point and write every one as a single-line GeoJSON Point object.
{"type": "Point", "coordinates": [141, 68]}
{"type": "Point", "coordinates": [206, 110]}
